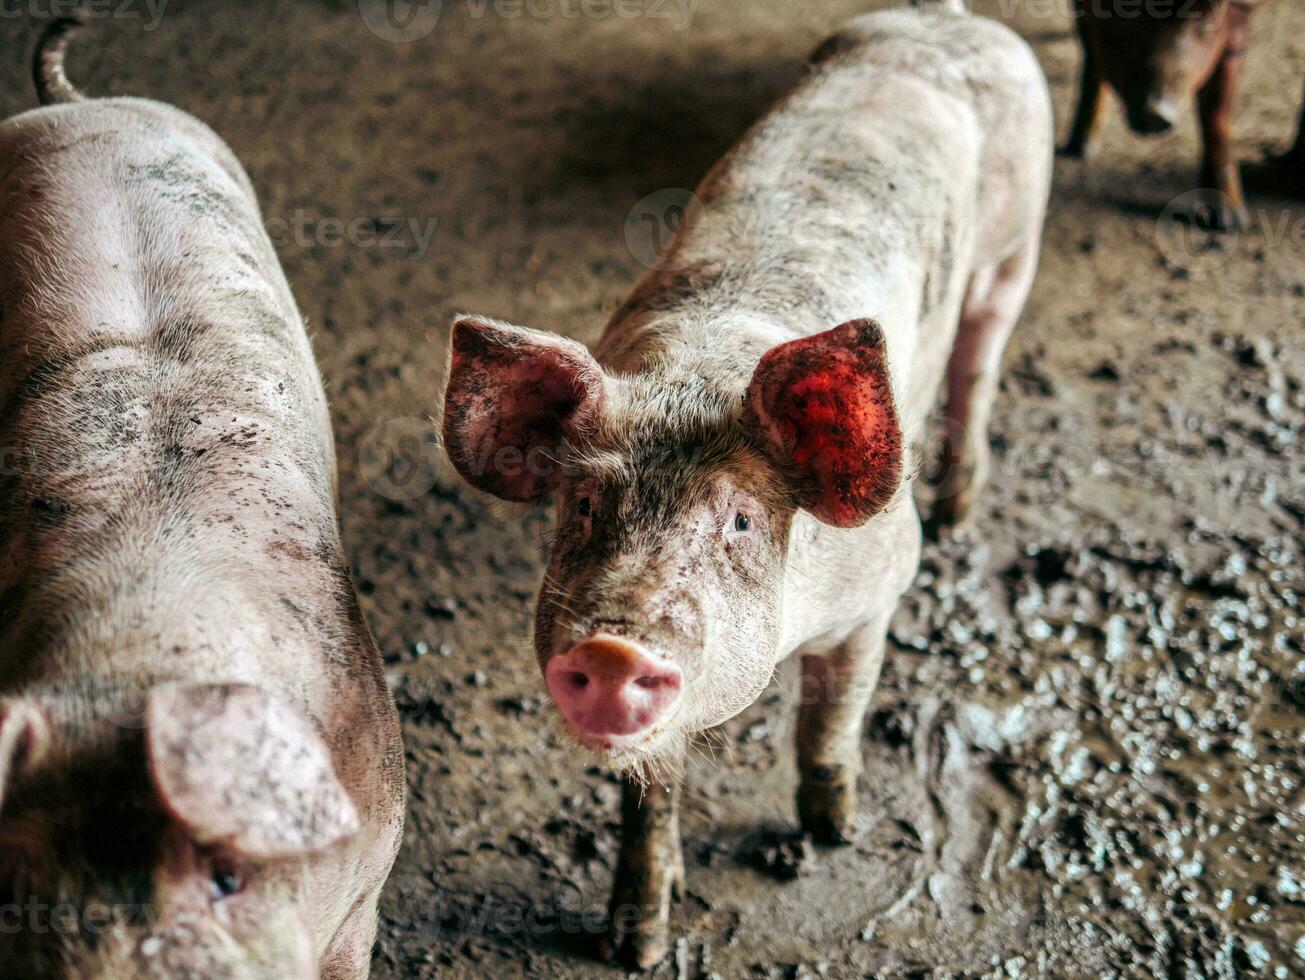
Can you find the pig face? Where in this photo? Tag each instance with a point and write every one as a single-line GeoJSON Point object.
{"type": "Point", "coordinates": [174, 850]}
{"type": "Point", "coordinates": [1153, 60]}
{"type": "Point", "coordinates": [675, 490]}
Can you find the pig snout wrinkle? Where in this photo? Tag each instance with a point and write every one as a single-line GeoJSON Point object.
{"type": "Point", "coordinates": [606, 686]}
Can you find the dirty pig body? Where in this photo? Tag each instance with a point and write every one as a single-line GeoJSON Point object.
{"type": "Point", "coordinates": [1155, 57]}
{"type": "Point", "coordinates": [200, 772]}
{"type": "Point", "coordinates": [732, 465]}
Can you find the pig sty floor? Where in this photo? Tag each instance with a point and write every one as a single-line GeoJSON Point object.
{"type": "Point", "coordinates": [1086, 755]}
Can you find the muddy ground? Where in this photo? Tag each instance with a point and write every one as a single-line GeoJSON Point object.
{"type": "Point", "coordinates": [1086, 755]}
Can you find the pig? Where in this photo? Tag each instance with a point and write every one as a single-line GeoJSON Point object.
{"type": "Point", "coordinates": [733, 466]}
{"type": "Point", "coordinates": [1285, 172]}
{"type": "Point", "coordinates": [1155, 56]}
{"type": "Point", "coordinates": [200, 768]}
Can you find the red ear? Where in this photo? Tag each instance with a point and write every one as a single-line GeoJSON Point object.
{"type": "Point", "coordinates": [237, 767]}
{"type": "Point", "coordinates": [513, 395]}
{"type": "Point", "coordinates": [824, 407]}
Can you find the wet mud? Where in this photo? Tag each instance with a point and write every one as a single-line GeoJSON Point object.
{"type": "Point", "coordinates": [1085, 756]}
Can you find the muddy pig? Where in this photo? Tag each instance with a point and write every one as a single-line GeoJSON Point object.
{"type": "Point", "coordinates": [1155, 55]}
{"type": "Point", "coordinates": [200, 766]}
{"type": "Point", "coordinates": [732, 466]}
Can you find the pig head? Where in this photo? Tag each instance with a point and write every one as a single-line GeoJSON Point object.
{"type": "Point", "coordinates": [676, 492]}
{"type": "Point", "coordinates": [170, 846]}
{"type": "Point", "coordinates": [1154, 60]}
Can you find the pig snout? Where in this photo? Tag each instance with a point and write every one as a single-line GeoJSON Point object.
{"type": "Point", "coordinates": [610, 688]}
{"type": "Point", "coordinates": [1152, 115]}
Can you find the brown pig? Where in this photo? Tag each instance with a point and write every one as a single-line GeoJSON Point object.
{"type": "Point", "coordinates": [731, 466]}
{"type": "Point", "coordinates": [200, 770]}
{"type": "Point", "coordinates": [1285, 172]}
{"type": "Point", "coordinates": [1156, 54]}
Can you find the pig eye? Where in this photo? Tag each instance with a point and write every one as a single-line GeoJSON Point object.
{"type": "Point", "coordinates": [742, 523]}
{"type": "Point", "coordinates": [584, 507]}
{"type": "Point", "coordinates": [225, 880]}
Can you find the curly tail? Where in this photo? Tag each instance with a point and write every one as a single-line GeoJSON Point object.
{"type": "Point", "coordinates": [52, 85]}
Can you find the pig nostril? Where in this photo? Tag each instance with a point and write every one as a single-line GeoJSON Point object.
{"type": "Point", "coordinates": [649, 683]}
{"type": "Point", "coordinates": [578, 680]}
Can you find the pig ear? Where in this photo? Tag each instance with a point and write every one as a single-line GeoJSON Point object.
{"type": "Point", "coordinates": [236, 767]}
{"type": "Point", "coordinates": [513, 395]}
{"type": "Point", "coordinates": [24, 739]}
{"type": "Point", "coordinates": [823, 406]}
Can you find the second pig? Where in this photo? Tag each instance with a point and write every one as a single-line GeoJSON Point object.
{"type": "Point", "coordinates": [732, 467]}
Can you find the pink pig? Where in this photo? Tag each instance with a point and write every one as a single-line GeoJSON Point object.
{"type": "Point", "coordinates": [200, 768]}
{"type": "Point", "coordinates": [730, 466]}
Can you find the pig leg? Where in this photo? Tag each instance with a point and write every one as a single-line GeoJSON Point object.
{"type": "Point", "coordinates": [1087, 117]}
{"type": "Point", "coordinates": [1215, 103]}
{"type": "Point", "coordinates": [993, 301]}
{"type": "Point", "coordinates": [836, 691]}
{"type": "Point", "coordinates": [1286, 172]}
{"type": "Point", "coordinates": [649, 873]}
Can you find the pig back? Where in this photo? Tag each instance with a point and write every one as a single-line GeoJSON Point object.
{"type": "Point", "coordinates": [900, 164]}
{"type": "Point", "coordinates": [167, 477]}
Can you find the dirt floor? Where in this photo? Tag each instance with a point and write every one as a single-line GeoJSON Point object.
{"type": "Point", "coordinates": [1086, 755]}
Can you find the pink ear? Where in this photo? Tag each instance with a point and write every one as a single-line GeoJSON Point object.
{"type": "Point", "coordinates": [512, 398]}
{"type": "Point", "coordinates": [237, 767]}
{"type": "Point", "coordinates": [824, 405]}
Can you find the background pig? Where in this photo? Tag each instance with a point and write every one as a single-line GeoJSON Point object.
{"type": "Point", "coordinates": [200, 769]}
{"type": "Point", "coordinates": [1155, 56]}
{"type": "Point", "coordinates": [731, 467]}
{"type": "Point", "coordinates": [1286, 171]}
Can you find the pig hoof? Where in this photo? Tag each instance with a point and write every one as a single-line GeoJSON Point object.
{"type": "Point", "coordinates": [641, 948]}
{"type": "Point", "coordinates": [828, 829]}
{"type": "Point", "coordinates": [827, 807]}
{"type": "Point", "coordinates": [638, 932]}
{"type": "Point", "coordinates": [949, 516]}
{"type": "Point", "coordinates": [1076, 150]}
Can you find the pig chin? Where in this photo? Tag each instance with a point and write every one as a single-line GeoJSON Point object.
{"type": "Point", "coordinates": [644, 752]}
